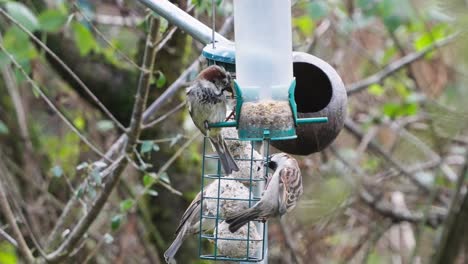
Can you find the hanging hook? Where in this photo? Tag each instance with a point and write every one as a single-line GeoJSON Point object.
{"type": "Point", "coordinates": [213, 14]}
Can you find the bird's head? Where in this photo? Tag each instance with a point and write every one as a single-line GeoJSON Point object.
{"type": "Point", "coordinates": [218, 76]}
{"type": "Point", "coordinates": [278, 159]}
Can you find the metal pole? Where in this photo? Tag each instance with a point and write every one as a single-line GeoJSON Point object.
{"type": "Point", "coordinates": [184, 21]}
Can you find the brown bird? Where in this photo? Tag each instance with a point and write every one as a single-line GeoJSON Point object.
{"type": "Point", "coordinates": [282, 191]}
{"type": "Point", "coordinates": [207, 104]}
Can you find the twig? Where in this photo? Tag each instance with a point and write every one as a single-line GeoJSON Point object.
{"type": "Point", "coordinates": [354, 130]}
{"type": "Point", "coordinates": [133, 134]}
{"type": "Point", "coordinates": [385, 209]}
{"type": "Point", "coordinates": [104, 38]}
{"type": "Point", "coordinates": [8, 214]}
{"type": "Point", "coordinates": [165, 116]}
{"type": "Point", "coordinates": [397, 65]}
{"type": "Point", "coordinates": [116, 149]}
{"type": "Point", "coordinates": [65, 67]}
{"type": "Point", "coordinates": [290, 243]}
{"type": "Point", "coordinates": [50, 103]}
{"type": "Point", "coordinates": [8, 238]}
{"type": "Point", "coordinates": [455, 228]}
{"type": "Point", "coordinates": [170, 33]}
{"type": "Point", "coordinates": [120, 21]}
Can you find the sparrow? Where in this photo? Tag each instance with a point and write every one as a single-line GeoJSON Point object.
{"type": "Point", "coordinates": [190, 221]}
{"type": "Point", "coordinates": [207, 104]}
{"type": "Point", "coordinates": [283, 190]}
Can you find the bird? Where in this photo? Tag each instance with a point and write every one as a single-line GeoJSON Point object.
{"type": "Point", "coordinates": [282, 191]}
{"type": "Point", "coordinates": [207, 104]}
{"type": "Point", "coordinates": [190, 221]}
{"type": "Point", "coordinates": [189, 225]}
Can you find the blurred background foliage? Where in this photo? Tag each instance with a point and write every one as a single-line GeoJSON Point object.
{"type": "Point", "coordinates": [401, 151]}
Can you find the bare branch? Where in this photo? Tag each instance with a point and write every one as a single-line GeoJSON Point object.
{"type": "Point", "coordinates": [133, 134]}
{"type": "Point", "coordinates": [65, 66]}
{"type": "Point", "coordinates": [170, 33]}
{"type": "Point", "coordinates": [115, 151]}
{"type": "Point", "coordinates": [433, 219]}
{"type": "Point", "coordinates": [397, 65]}
{"type": "Point", "coordinates": [8, 238]}
{"type": "Point", "coordinates": [290, 242]}
{"type": "Point", "coordinates": [355, 130]}
{"type": "Point", "coordinates": [9, 216]}
{"type": "Point", "coordinates": [50, 103]}
{"type": "Point", "coordinates": [455, 229]}
{"type": "Point", "coordinates": [165, 116]}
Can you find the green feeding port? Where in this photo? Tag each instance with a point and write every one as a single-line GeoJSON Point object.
{"type": "Point", "coordinates": [224, 194]}
{"type": "Point", "coordinates": [252, 131]}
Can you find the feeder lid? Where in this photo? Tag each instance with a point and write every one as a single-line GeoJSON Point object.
{"type": "Point", "coordinates": [223, 53]}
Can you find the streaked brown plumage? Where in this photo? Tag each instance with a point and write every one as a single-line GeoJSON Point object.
{"type": "Point", "coordinates": [207, 104]}
{"type": "Point", "coordinates": [283, 190]}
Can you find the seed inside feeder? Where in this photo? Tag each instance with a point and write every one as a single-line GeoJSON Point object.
{"type": "Point", "coordinates": [266, 114]}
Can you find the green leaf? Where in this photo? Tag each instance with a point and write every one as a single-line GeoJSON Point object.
{"type": "Point", "coordinates": [156, 147]}
{"type": "Point", "coordinates": [7, 253]}
{"type": "Point", "coordinates": [99, 164]}
{"type": "Point", "coordinates": [104, 125]}
{"type": "Point", "coordinates": [126, 205]}
{"type": "Point", "coordinates": [116, 221]}
{"type": "Point", "coordinates": [146, 146]}
{"type": "Point", "coordinates": [82, 165]}
{"type": "Point", "coordinates": [402, 90]}
{"type": "Point", "coordinates": [411, 109]}
{"type": "Point", "coordinates": [79, 122]}
{"type": "Point", "coordinates": [52, 20]}
{"type": "Point", "coordinates": [108, 238]}
{"type": "Point", "coordinates": [91, 191]}
{"type": "Point", "coordinates": [318, 10]}
{"type": "Point", "coordinates": [148, 180]}
{"type": "Point", "coordinates": [17, 43]}
{"type": "Point", "coordinates": [305, 25]}
{"type": "Point", "coordinates": [392, 22]}
{"type": "Point", "coordinates": [165, 178]}
{"type": "Point", "coordinates": [428, 38]}
{"type": "Point", "coordinates": [84, 39]}
{"type": "Point", "coordinates": [175, 139]}
{"type": "Point", "coordinates": [161, 80]}
{"type": "Point", "coordinates": [57, 171]}
{"type": "Point", "coordinates": [3, 128]}
{"type": "Point", "coordinates": [152, 193]}
{"type": "Point", "coordinates": [391, 109]}
{"type": "Point", "coordinates": [376, 89]}
{"type": "Point", "coordinates": [80, 192]}
{"type": "Point", "coordinates": [23, 15]}
{"type": "Point", "coordinates": [96, 176]}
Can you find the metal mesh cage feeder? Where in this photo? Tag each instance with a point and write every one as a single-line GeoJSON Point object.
{"type": "Point", "coordinates": [223, 194]}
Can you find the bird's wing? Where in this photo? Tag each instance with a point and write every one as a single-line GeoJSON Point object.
{"type": "Point", "coordinates": [291, 188]}
{"type": "Point", "coordinates": [189, 212]}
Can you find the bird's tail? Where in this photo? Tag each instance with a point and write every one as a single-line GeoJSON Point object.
{"type": "Point", "coordinates": [237, 220]}
{"type": "Point", "coordinates": [227, 161]}
{"type": "Point", "coordinates": [174, 247]}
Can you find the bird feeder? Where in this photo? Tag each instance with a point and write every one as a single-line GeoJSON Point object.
{"type": "Point", "coordinates": [223, 194]}
{"type": "Point", "coordinates": [293, 100]}
{"type": "Point", "coordinates": [264, 84]}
